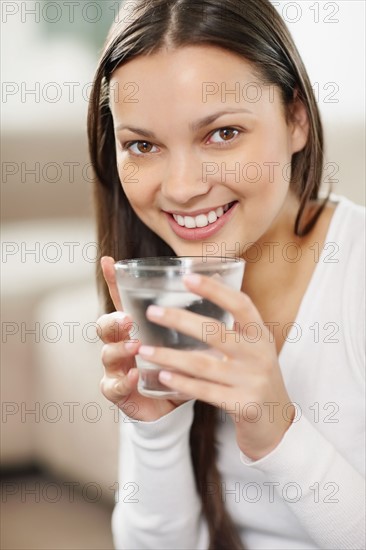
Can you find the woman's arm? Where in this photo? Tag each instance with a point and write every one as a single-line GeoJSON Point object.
{"type": "Point", "coordinates": [157, 502]}
{"type": "Point", "coordinates": [330, 492]}
{"type": "Point", "coordinates": [285, 450]}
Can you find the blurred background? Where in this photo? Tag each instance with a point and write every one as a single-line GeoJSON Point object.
{"type": "Point", "coordinates": [59, 436]}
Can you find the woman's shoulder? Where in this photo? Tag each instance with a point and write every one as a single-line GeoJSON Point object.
{"type": "Point", "coordinates": [348, 222]}
{"type": "Point", "coordinates": [349, 209]}
{"type": "Point", "coordinates": [340, 236]}
{"type": "Point", "coordinates": [349, 235]}
{"type": "Point", "coordinates": [340, 227]}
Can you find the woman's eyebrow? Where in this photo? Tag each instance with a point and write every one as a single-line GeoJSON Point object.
{"type": "Point", "coordinates": [211, 118]}
{"type": "Point", "coordinates": [194, 126]}
{"type": "Point", "coordinates": [136, 130]}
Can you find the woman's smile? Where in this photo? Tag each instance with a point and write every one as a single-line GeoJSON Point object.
{"type": "Point", "coordinates": [203, 225]}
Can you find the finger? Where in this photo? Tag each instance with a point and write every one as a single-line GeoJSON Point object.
{"type": "Point", "coordinates": [205, 329]}
{"type": "Point", "coordinates": [236, 302]}
{"type": "Point", "coordinates": [119, 389]}
{"type": "Point", "coordinates": [114, 327]}
{"type": "Point", "coordinates": [116, 357]}
{"type": "Point", "coordinates": [203, 390]}
{"type": "Point", "coordinates": [107, 265]}
{"type": "Point", "coordinates": [193, 363]}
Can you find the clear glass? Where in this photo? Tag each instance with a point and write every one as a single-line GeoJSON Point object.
{"type": "Point", "coordinates": [158, 280]}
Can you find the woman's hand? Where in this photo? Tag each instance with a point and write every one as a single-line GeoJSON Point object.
{"type": "Point", "coordinates": [119, 383]}
{"type": "Point", "coordinates": [247, 383]}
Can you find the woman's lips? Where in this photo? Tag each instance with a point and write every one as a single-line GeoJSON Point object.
{"type": "Point", "coordinates": [199, 233]}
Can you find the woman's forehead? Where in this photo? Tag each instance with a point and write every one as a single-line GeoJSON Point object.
{"type": "Point", "coordinates": [192, 58]}
{"type": "Point", "coordinates": [199, 74]}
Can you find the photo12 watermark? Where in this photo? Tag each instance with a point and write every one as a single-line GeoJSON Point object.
{"type": "Point", "coordinates": [69, 92]}
{"type": "Point", "coordinates": [93, 12]}
{"type": "Point", "coordinates": [71, 412]}
{"type": "Point", "coordinates": [273, 492]}
{"type": "Point", "coordinates": [255, 91]}
{"type": "Point", "coordinates": [52, 492]}
{"type": "Point", "coordinates": [67, 11]}
{"type": "Point", "coordinates": [273, 251]}
{"type": "Point", "coordinates": [252, 332]}
{"type": "Point", "coordinates": [269, 411]}
{"type": "Point", "coordinates": [53, 252]}
{"type": "Point", "coordinates": [52, 332]}
{"type": "Point", "coordinates": [253, 172]}
{"type": "Point", "coordinates": [50, 172]}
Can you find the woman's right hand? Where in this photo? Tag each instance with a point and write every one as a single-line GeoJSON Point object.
{"type": "Point", "coordinates": [119, 383]}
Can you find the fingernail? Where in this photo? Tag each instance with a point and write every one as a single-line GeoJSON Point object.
{"type": "Point", "coordinates": [120, 315]}
{"type": "Point", "coordinates": [155, 311]}
{"type": "Point", "coordinates": [131, 373]}
{"type": "Point", "coordinates": [193, 279]}
{"type": "Point", "coordinates": [146, 350]}
{"type": "Point", "coordinates": [130, 346]}
{"type": "Point", "coordinates": [165, 375]}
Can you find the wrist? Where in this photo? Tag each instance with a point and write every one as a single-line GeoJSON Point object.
{"type": "Point", "coordinates": [267, 440]}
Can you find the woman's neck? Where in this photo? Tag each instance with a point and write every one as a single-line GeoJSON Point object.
{"type": "Point", "coordinates": [284, 262]}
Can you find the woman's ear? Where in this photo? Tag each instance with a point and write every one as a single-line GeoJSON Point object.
{"type": "Point", "coordinates": [298, 124]}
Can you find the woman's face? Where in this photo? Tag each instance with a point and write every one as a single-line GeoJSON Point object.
{"type": "Point", "coordinates": [203, 149]}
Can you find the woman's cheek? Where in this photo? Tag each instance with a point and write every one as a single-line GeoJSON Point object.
{"type": "Point", "coordinates": [265, 162]}
{"type": "Point", "coordinates": [130, 179]}
{"type": "Point", "coordinates": [140, 189]}
{"type": "Point", "coordinates": [255, 179]}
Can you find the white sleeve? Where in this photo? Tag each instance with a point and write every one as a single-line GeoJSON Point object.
{"type": "Point", "coordinates": [329, 498]}
{"type": "Point", "coordinates": [157, 502]}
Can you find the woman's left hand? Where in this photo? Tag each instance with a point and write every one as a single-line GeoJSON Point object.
{"type": "Point", "coordinates": [246, 381]}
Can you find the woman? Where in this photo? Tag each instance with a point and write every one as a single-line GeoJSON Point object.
{"type": "Point", "coordinates": [205, 137]}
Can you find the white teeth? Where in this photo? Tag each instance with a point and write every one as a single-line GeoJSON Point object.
{"type": "Point", "coordinates": [202, 219]}
{"type": "Point", "coordinates": [189, 222]}
{"type": "Point", "coordinates": [212, 216]}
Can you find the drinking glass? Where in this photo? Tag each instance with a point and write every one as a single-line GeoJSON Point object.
{"type": "Point", "coordinates": [158, 281]}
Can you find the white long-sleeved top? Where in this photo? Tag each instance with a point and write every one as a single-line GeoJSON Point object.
{"type": "Point", "coordinates": [309, 492]}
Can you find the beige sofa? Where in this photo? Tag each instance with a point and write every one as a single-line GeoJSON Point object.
{"type": "Point", "coordinates": [53, 413]}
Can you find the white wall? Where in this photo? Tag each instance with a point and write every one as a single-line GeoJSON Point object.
{"type": "Point", "coordinates": [330, 37]}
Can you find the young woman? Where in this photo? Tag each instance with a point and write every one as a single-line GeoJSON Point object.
{"type": "Point", "coordinates": [205, 137]}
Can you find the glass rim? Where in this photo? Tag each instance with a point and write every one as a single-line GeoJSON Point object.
{"type": "Point", "coordinates": [212, 262]}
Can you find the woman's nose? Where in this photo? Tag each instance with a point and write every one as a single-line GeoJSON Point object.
{"type": "Point", "coordinates": [183, 181]}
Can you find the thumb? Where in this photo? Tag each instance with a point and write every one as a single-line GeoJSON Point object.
{"type": "Point", "coordinates": [107, 265]}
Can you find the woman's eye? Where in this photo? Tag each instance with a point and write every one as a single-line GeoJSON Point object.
{"type": "Point", "coordinates": [139, 148]}
{"type": "Point", "coordinates": [224, 135]}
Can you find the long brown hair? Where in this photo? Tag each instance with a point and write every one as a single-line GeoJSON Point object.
{"type": "Point", "coordinates": [254, 30]}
